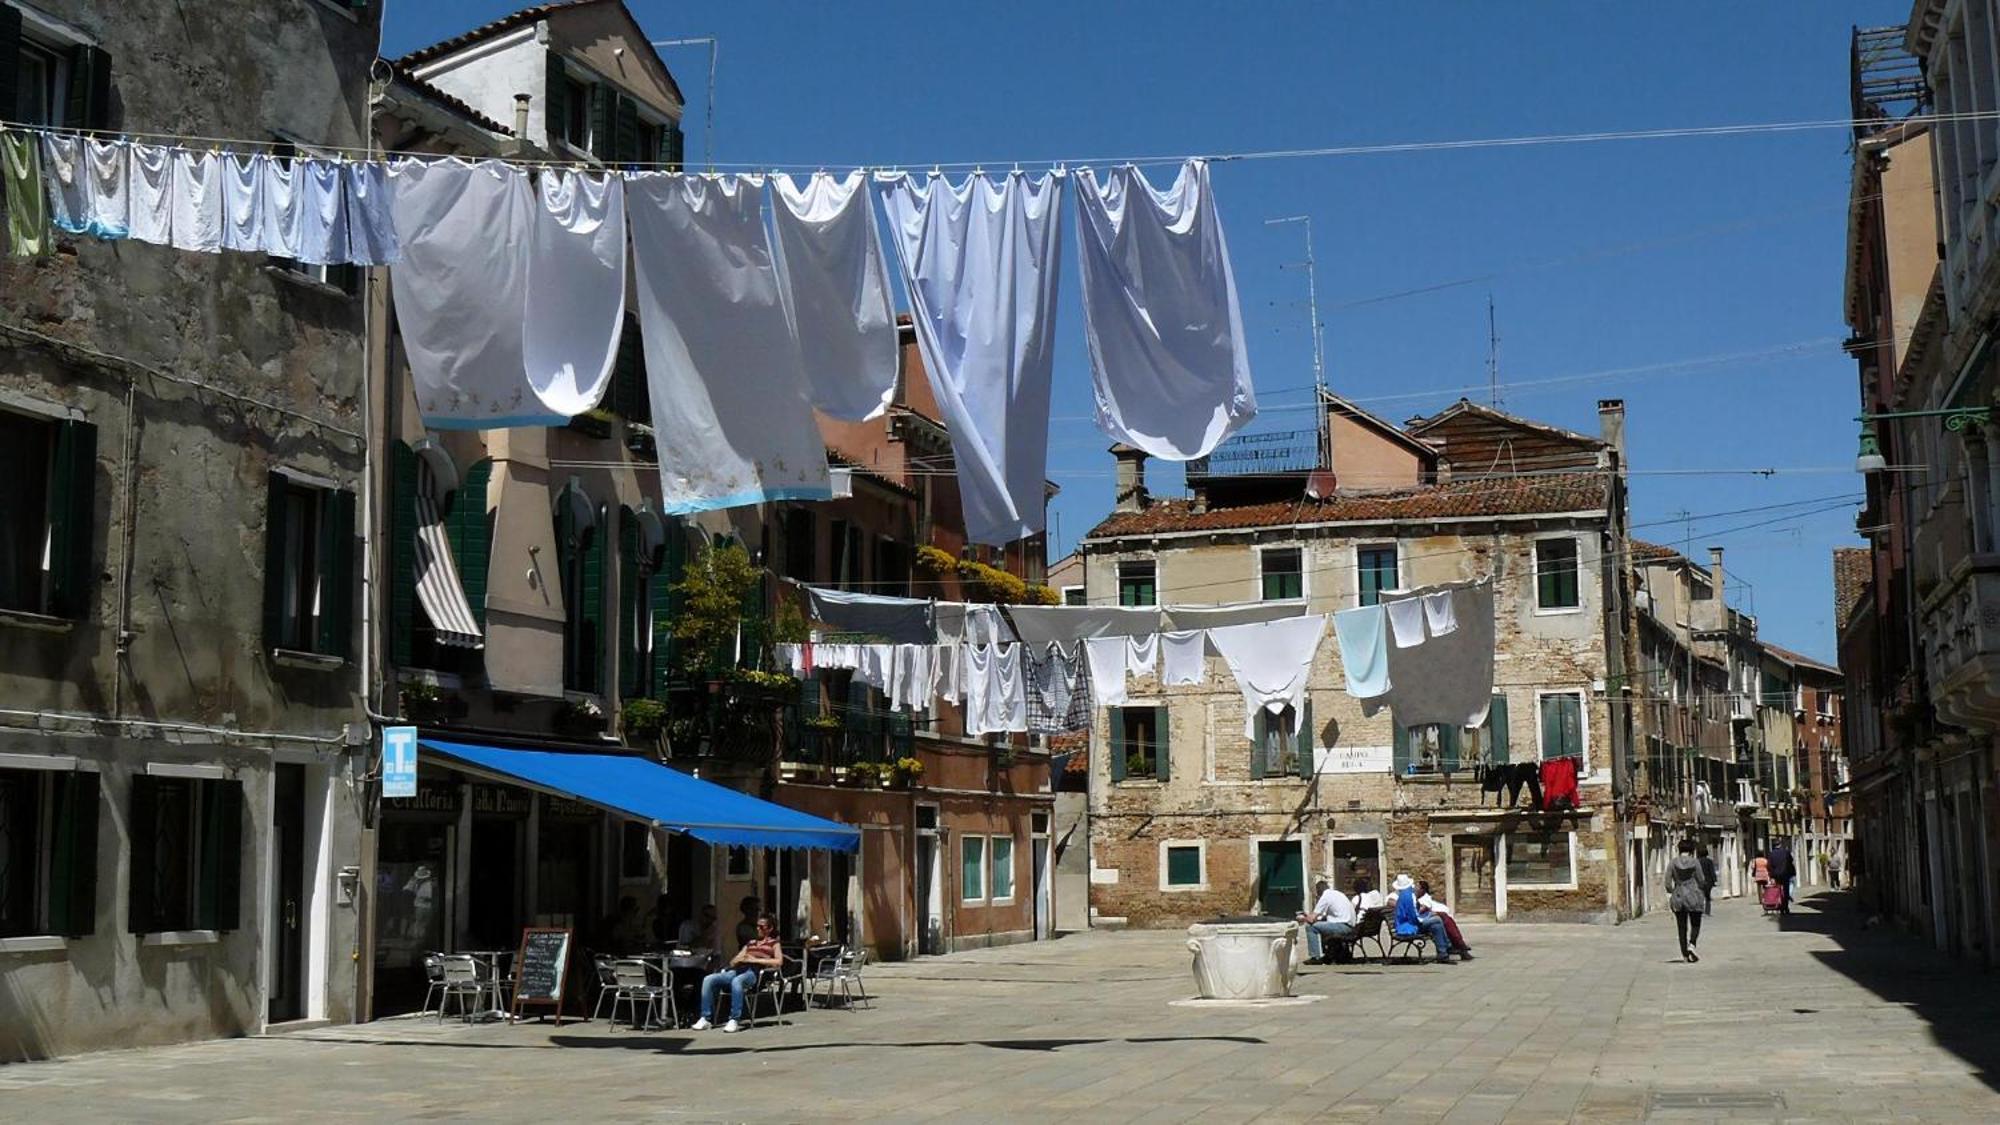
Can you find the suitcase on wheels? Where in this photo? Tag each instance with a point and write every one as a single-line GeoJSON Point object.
{"type": "Point", "coordinates": [1774, 896]}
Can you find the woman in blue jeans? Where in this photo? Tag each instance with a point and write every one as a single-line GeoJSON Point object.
{"type": "Point", "coordinates": [741, 976]}
{"type": "Point", "coordinates": [1410, 921]}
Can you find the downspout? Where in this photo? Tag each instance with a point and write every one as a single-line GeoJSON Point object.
{"type": "Point", "coordinates": [128, 471]}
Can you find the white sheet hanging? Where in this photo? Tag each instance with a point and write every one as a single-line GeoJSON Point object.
{"type": "Point", "coordinates": [1142, 657]}
{"type": "Point", "coordinates": [66, 175]}
{"type": "Point", "coordinates": [243, 202]}
{"type": "Point", "coordinates": [151, 188]}
{"type": "Point", "coordinates": [1108, 657]}
{"type": "Point", "coordinates": [1406, 621]}
{"type": "Point", "coordinates": [836, 288]}
{"type": "Point", "coordinates": [110, 192]}
{"type": "Point", "coordinates": [371, 227]}
{"type": "Point", "coordinates": [996, 690]}
{"type": "Point", "coordinates": [980, 262]}
{"type": "Point", "coordinates": [279, 197]}
{"type": "Point", "coordinates": [1167, 356]}
{"type": "Point", "coordinates": [1438, 613]}
{"type": "Point", "coordinates": [576, 289]}
{"type": "Point", "coordinates": [461, 291]}
{"type": "Point", "coordinates": [1184, 658]}
{"type": "Point", "coordinates": [730, 412]}
{"type": "Point", "coordinates": [322, 202]}
{"type": "Point", "coordinates": [197, 201]}
{"type": "Point", "coordinates": [1272, 663]}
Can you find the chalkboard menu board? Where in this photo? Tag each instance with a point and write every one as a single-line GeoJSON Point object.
{"type": "Point", "coordinates": [541, 969]}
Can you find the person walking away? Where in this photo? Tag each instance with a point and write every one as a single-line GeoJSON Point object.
{"type": "Point", "coordinates": [1760, 872]}
{"type": "Point", "coordinates": [1409, 921]}
{"type": "Point", "coordinates": [1782, 872]}
{"type": "Point", "coordinates": [1330, 926]}
{"type": "Point", "coordinates": [1708, 878]}
{"type": "Point", "coordinates": [740, 976]}
{"type": "Point", "coordinates": [1429, 905]}
{"type": "Point", "coordinates": [1686, 898]}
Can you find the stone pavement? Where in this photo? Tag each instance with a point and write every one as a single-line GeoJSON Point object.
{"type": "Point", "coordinates": [1814, 1019]}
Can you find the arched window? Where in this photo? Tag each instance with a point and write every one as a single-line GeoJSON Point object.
{"type": "Point", "coordinates": [580, 566]}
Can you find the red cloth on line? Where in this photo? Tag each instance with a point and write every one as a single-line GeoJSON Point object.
{"type": "Point", "coordinates": [1559, 783]}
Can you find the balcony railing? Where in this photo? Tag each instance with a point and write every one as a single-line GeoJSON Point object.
{"type": "Point", "coordinates": [845, 736]}
{"type": "Point", "coordinates": [1961, 642]}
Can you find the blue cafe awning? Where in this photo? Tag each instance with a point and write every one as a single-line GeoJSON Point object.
{"type": "Point", "coordinates": [646, 790]}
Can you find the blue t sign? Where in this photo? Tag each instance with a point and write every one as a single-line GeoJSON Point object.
{"type": "Point", "coordinates": [399, 761]}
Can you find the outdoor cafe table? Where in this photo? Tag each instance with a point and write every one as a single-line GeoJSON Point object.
{"type": "Point", "coordinates": [495, 964]}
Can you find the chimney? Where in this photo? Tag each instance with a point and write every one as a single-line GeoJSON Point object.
{"type": "Point", "coordinates": [521, 119]}
{"type": "Point", "coordinates": [1611, 426]}
{"type": "Point", "coordinates": [1715, 574]}
{"type": "Point", "coordinates": [1131, 492]}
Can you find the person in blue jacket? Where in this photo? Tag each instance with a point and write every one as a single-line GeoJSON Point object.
{"type": "Point", "coordinates": [1410, 921]}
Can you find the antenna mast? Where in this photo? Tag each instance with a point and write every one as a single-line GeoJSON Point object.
{"type": "Point", "coordinates": [1318, 337]}
{"type": "Point", "coordinates": [1492, 355]}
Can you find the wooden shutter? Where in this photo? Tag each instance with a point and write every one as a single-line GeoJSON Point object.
{"type": "Point", "coordinates": [274, 561]}
{"type": "Point", "coordinates": [1303, 739]}
{"type": "Point", "coordinates": [1401, 738]}
{"type": "Point", "coordinates": [73, 868]}
{"type": "Point", "coordinates": [631, 675]}
{"type": "Point", "coordinates": [673, 148]}
{"type": "Point", "coordinates": [566, 555]}
{"type": "Point", "coordinates": [472, 536]}
{"type": "Point", "coordinates": [72, 517]}
{"type": "Point", "coordinates": [1163, 747]}
{"type": "Point", "coordinates": [593, 593]}
{"type": "Point", "coordinates": [1448, 744]}
{"type": "Point", "coordinates": [602, 106]}
{"type": "Point", "coordinates": [10, 54]}
{"type": "Point", "coordinates": [220, 905]}
{"type": "Point", "coordinates": [625, 143]}
{"type": "Point", "coordinates": [87, 103]}
{"type": "Point", "coordinates": [142, 832]}
{"type": "Point", "coordinates": [629, 394]}
{"type": "Point", "coordinates": [555, 105]}
{"type": "Point", "coordinates": [1117, 743]}
{"type": "Point", "coordinates": [1496, 729]}
{"type": "Point", "coordinates": [402, 553]}
{"type": "Point", "coordinates": [336, 573]}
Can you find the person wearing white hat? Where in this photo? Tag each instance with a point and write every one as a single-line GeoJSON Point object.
{"type": "Point", "coordinates": [1410, 921]}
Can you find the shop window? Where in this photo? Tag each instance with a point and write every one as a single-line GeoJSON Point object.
{"type": "Point", "coordinates": [1555, 574]}
{"type": "Point", "coordinates": [308, 567]}
{"type": "Point", "coordinates": [1282, 571]}
{"type": "Point", "coordinates": [1138, 743]}
{"type": "Point", "coordinates": [1184, 863]}
{"type": "Point", "coordinates": [1002, 849]}
{"type": "Point", "coordinates": [1562, 731]}
{"type": "Point", "coordinates": [46, 513]}
{"type": "Point", "coordinates": [187, 854]}
{"type": "Point", "coordinates": [1376, 570]}
{"type": "Point", "coordinates": [1137, 585]}
{"type": "Point", "coordinates": [1541, 859]}
{"type": "Point", "coordinates": [972, 868]}
{"type": "Point", "coordinates": [48, 852]}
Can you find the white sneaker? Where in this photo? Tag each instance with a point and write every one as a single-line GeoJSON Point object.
{"type": "Point", "coordinates": [732, 1025]}
{"type": "Point", "coordinates": [702, 1024]}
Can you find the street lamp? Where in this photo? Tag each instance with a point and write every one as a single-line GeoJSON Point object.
{"type": "Point", "coordinates": [1956, 419]}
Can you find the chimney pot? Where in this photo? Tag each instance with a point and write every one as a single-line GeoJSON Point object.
{"type": "Point", "coordinates": [1131, 488]}
{"type": "Point", "coordinates": [521, 117]}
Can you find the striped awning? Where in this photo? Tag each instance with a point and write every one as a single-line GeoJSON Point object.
{"type": "Point", "coordinates": [438, 589]}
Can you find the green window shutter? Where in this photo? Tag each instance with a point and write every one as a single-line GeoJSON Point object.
{"type": "Point", "coordinates": [1303, 739]}
{"type": "Point", "coordinates": [72, 516]}
{"type": "Point", "coordinates": [471, 534]}
{"type": "Point", "coordinates": [275, 512]}
{"type": "Point", "coordinates": [1163, 756]}
{"type": "Point", "coordinates": [593, 594]}
{"type": "Point", "coordinates": [631, 677]}
{"type": "Point", "coordinates": [73, 868]}
{"type": "Point", "coordinates": [566, 557]}
{"type": "Point", "coordinates": [602, 110]}
{"type": "Point", "coordinates": [555, 106]}
{"type": "Point", "coordinates": [673, 567]}
{"type": "Point", "coordinates": [87, 104]}
{"type": "Point", "coordinates": [336, 574]}
{"type": "Point", "coordinates": [1118, 749]}
{"type": "Point", "coordinates": [1260, 754]}
{"type": "Point", "coordinates": [220, 905]}
{"type": "Point", "coordinates": [673, 148]}
{"type": "Point", "coordinates": [402, 553]}
{"type": "Point", "coordinates": [1402, 748]}
{"type": "Point", "coordinates": [1496, 729]}
{"type": "Point", "coordinates": [629, 394]}
{"type": "Point", "coordinates": [10, 50]}
{"type": "Point", "coordinates": [142, 830]}
{"type": "Point", "coordinates": [1448, 743]}
{"type": "Point", "coordinates": [625, 145]}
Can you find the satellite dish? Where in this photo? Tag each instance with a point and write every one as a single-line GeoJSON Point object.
{"type": "Point", "coordinates": [1319, 484]}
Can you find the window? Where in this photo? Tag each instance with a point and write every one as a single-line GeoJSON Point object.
{"type": "Point", "coordinates": [1138, 743]}
{"type": "Point", "coordinates": [40, 85]}
{"type": "Point", "coordinates": [972, 868]}
{"type": "Point", "coordinates": [631, 398]}
{"type": "Point", "coordinates": [846, 541]}
{"type": "Point", "coordinates": [1356, 859]}
{"type": "Point", "coordinates": [1555, 574]}
{"type": "Point", "coordinates": [1136, 584]}
{"type": "Point", "coordinates": [737, 863]}
{"type": "Point", "coordinates": [308, 566]}
{"type": "Point", "coordinates": [1562, 725]}
{"type": "Point", "coordinates": [1283, 573]}
{"type": "Point", "coordinates": [49, 75]}
{"type": "Point", "coordinates": [1183, 865]}
{"type": "Point", "coordinates": [1540, 859]}
{"type": "Point", "coordinates": [46, 513]}
{"type": "Point", "coordinates": [800, 547]}
{"type": "Point", "coordinates": [346, 278]}
{"type": "Point", "coordinates": [1073, 595]}
{"type": "Point", "coordinates": [48, 852]}
{"type": "Point", "coordinates": [575, 123]}
{"type": "Point", "coordinates": [1003, 868]}
{"type": "Point", "coordinates": [1376, 571]}
{"type": "Point", "coordinates": [187, 854]}
{"type": "Point", "coordinates": [1282, 743]}
{"type": "Point", "coordinates": [580, 566]}
{"type": "Point", "coordinates": [892, 569]}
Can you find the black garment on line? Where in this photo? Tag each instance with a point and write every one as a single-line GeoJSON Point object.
{"type": "Point", "coordinates": [1492, 779]}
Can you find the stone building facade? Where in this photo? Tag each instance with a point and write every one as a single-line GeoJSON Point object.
{"type": "Point", "coordinates": [1189, 820]}
{"type": "Point", "coordinates": [182, 749]}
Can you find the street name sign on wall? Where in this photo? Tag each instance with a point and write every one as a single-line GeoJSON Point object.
{"type": "Point", "coordinates": [1354, 759]}
{"type": "Point", "coordinates": [399, 761]}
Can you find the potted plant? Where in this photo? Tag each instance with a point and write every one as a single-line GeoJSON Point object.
{"type": "Point", "coordinates": [580, 717]}
{"type": "Point", "coordinates": [864, 775]}
{"type": "Point", "coordinates": [421, 702]}
{"type": "Point", "coordinates": [642, 721]}
{"type": "Point", "coordinates": [906, 770]}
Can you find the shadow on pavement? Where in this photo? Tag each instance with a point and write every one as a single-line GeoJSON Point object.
{"type": "Point", "coordinates": [684, 1043]}
{"type": "Point", "coordinates": [1956, 999]}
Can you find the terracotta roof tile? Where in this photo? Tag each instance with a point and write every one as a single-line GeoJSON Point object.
{"type": "Point", "coordinates": [455, 105]}
{"type": "Point", "coordinates": [484, 31]}
{"type": "Point", "coordinates": [1466, 499]}
{"type": "Point", "coordinates": [1799, 659]}
{"type": "Point", "coordinates": [1643, 551]}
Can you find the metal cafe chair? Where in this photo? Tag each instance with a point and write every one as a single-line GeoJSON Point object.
{"type": "Point", "coordinates": [843, 969]}
{"type": "Point", "coordinates": [774, 983]}
{"type": "Point", "coordinates": [633, 986]}
{"type": "Point", "coordinates": [464, 983]}
{"type": "Point", "coordinates": [434, 977]}
{"type": "Point", "coordinates": [607, 985]}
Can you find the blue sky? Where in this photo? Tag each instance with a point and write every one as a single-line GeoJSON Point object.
{"type": "Point", "coordinates": [1709, 270]}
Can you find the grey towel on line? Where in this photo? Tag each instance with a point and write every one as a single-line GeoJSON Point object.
{"type": "Point", "coordinates": [1446, 680]}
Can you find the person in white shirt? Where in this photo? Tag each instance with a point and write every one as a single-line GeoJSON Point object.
{"type": "Point", "coordinates": [1366, 897]}
{"type": "Point", "coordinates": [1429, 905]}
{"type": "Point", "coordinates": [1330, 926]}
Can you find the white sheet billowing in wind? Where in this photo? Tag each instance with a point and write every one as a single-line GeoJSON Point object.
{"type": "Point", "coordinates": [1167, 357]}
{"type": "Point", "coordinates": [461, 291]}
{"type": "Point", "coordinates": [980, 261]}
{"type": "Point", "coordinates": [575, 289]}
{"type": "Point", "coordinates": [731, 414]}
{"type": "Point", "coordinates": [836, 287]}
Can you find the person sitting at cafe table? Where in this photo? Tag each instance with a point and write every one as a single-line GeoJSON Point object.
{"type": "Point", "coordinates": [698, 933]}
{"type": "Point", "coordinates": [746, 926]}
{"type": "Point", "coordinates": [740, 976]}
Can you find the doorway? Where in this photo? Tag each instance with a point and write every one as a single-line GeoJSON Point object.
{"type": "Point", "coordinates": [414, 876]}
{"type": "Point", "coordinates": [930, 881]}
{"type": "Point", "coordinates": [494, 883]}
{"type": "Point", "coordinates": [1472, 875]}
{"type": "Point", "coordinates": [1357, 858]}
{"type": "Point", "coordinates": [1281, 877]}
{"type": "Point", "coordinates": [1038, 859]}
{"type": "Point", "coordinates": [288, 852]}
